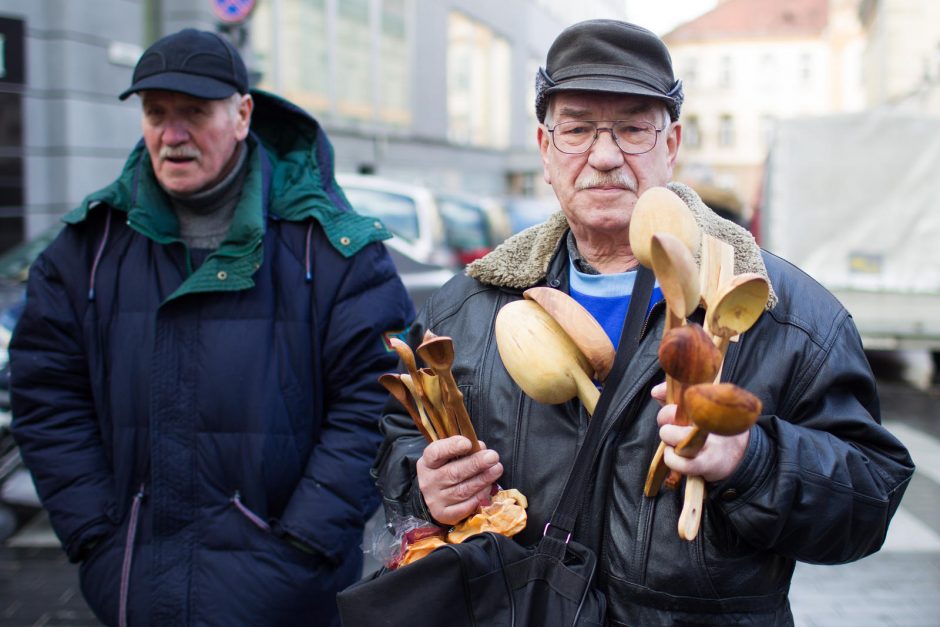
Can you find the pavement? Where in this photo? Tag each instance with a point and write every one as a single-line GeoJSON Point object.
{"type": "Point", "coordinates": [897, 587]}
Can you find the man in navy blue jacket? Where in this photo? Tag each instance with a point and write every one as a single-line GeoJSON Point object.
{"type": "Point", "coordinates": [194, 378]}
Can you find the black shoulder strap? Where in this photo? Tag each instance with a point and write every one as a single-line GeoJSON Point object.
{"type": "Point", "coordinates": [566, 512]}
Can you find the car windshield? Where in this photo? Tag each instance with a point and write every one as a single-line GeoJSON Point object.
{"type": "Point", "coordinates": [398, 212]}
{"type": "Point", "coordinates": [465, 224]}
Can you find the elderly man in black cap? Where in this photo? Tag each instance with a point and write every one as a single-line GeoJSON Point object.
{"type": "Point", "coordinates": [816, 479]}
{"type": "Point", "coordinates": [195, 373]}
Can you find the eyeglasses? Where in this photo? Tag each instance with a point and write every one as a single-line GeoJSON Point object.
{"type": "Point", "coordinates": [632, 137]}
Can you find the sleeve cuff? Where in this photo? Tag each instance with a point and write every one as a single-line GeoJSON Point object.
{"type": "Point", "coordinates": [750, 473]}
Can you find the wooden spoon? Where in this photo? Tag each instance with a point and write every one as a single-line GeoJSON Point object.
{"type": "Point", "coordinates": [720, 408]}
{"type": "Point", "coordinates": [688, 355]}
{"type": "Point", "coordinates": [717, 270]}
{"type": "Point", "coordinates": [541, 358]}
{"type": "Point", "coordinates": [426, 417]}
{"type": "Point", "coordinates": [436, 406]}
{"type": "Point", "coordinates": [737, 306]}
{"type": "Point", "coordinates": [421, 396]}
{"type": "Point", "coordinates": [586, 332]}
{"type": "Point", "coordinates": [438, 353]}
{"type": "Point", "coordinates": [660, 210]}
{"type": "Point", "coordinates": [677, 274]}
{"type": "Point", "coordinates": [395, 386]}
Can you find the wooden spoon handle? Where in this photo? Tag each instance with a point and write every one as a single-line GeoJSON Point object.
{"type": "Point", "coordinates": [693, 443]}
{"type": "Point", "coordinates": [691, 517]}
{"type": "Point", "coordinates": [657, 472]}
{"type": "Point", "coordinates": [454, 399]}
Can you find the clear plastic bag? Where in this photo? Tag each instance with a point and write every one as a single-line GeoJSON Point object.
{"type": "Point", "coordinates": [390, 544]}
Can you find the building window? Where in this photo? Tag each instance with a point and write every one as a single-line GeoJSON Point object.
{"type": "Point", "coordinates": [478, 65]}
{"type": "Point", "coordinates": [767, 77]}
{"type": "Point", "coordinates": [353, 58]}
{"type": "Point", "coordinates": [726, 130]}
{"type": "Point", "coordinates": [690, 72]}
{"type": "Point", "coordinates": [364, 76]}
{"type": "Point", "coordinates": [692, 132]}
{"type": "Point", "coordinates": [395, 75]}
{"type": "Point", "coordinates": [806, 68]}
{"type": "Point", "coordinates": [725, 72]}
{"type": "Point", "coordinates": [292, 53]}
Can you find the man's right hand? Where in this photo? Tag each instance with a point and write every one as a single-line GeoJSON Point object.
{"type": "Point", "coordinates": [454, 483]}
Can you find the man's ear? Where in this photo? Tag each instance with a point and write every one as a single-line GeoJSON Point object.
{"type": "Point", "coordinates": [245, 107]}
{"type": "Point", "coordinates": [544, 139]}
{"type": "Point", "coordinates": [673, 140]}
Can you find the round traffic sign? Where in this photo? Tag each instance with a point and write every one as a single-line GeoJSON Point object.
{"type": "Point", "coordinates": [232, 11]}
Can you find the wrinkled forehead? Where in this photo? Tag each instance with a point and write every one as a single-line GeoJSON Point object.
{"type": "Point", "coordinates": [585, 105]}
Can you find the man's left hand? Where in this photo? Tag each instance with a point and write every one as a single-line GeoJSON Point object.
{"type": "Point", "coordinates": [719, 456]}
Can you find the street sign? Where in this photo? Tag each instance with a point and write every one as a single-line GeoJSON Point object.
{"type": "Point", "coordinates": [232, 11]}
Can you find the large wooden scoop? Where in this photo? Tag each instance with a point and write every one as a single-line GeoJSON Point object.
{"type": "Point", "coordinates": [541, 358]}
{"type": "Point", "coordinates": [586, 332]}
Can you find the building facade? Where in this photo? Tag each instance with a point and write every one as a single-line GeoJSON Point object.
{"type": "Point", "coordinates": [431, 91]}
{"type": "Point", "coordinates": [902, 53]}
{"type": "Point", "coordinates": [747, 64]}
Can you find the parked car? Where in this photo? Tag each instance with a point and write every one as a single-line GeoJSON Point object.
{"type": "Point", "coordinates": [445, 228]}
{"type": "Point", "coordinates": [409, 211]}
{"type": "Point", "coordinates": [472, 226]}
{"type": "Point", "coordinates": [526, 211]}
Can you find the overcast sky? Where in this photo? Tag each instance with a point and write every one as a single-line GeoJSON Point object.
{"type": "Point", "coordinates": [661, 16]}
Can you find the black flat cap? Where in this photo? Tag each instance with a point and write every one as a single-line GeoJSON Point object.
{"type": "Point", "coordinates": [608, 56]}
{"type": "Point", "coordinates": [194, 62]}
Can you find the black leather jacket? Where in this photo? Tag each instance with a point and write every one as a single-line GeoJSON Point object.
{"type": "Point", "coordinates": [819, 482]}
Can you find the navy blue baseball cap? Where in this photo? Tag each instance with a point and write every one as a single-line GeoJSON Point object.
{"type": "Point", "coordinates": [194, 62]}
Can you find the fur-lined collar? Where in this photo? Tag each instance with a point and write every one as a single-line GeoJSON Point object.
{"type": "Point", "coordinates": [522, 261]}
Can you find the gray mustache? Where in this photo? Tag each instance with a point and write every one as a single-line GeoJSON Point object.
{"type": "Point", "coordinates": [605, 179]}
{"type": "Point", "coordinates": [180, 152]}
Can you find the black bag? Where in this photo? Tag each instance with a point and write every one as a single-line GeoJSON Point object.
{"type": "Point", "coordinates": [486, 580]}
{"type": "Point", "coordinates": [490, 580]}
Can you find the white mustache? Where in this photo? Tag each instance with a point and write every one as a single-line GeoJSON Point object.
{"type": "Point", "coordinates": [605, 179]}
{"type": "Point", "coordinates": [180, 152]}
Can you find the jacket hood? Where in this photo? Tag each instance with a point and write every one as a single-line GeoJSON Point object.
{"type": "Point", "coordinates": [522, 261]}
{"type": "Point", "coordinates": [296, 176]}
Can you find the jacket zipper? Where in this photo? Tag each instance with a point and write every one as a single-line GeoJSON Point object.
{"type": "Point", "coordinates": [129, 556]}
{"type": "Point", "coordinates": [250, 515]}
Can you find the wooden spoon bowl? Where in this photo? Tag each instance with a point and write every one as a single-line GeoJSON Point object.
{"type": "Point", "coordinates": [660, 210]}
{"type": "Point", "coordinates": [737, 305]}
{"type": "Point", "coordinates": [586, 332]}
{"type": "Point", "coordinates": [541, 358]}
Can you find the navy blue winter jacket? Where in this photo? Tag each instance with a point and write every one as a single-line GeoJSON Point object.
{"type": "Point", "coordinates": [198, 430]}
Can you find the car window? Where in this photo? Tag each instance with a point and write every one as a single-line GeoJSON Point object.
{"type": "Point", "coordinates": [398, 212]}
{"type": "Point", "coordinates": [465, 225]}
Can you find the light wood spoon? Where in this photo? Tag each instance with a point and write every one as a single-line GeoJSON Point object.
{"type": "Point", "coordinates": [395, 386]}
{"type": "Point", "coordinates": [541, 358]}
{"type": "Point", "coordinates": [438, 353]}
{"type": "Point", "coordinates": [586, 332]}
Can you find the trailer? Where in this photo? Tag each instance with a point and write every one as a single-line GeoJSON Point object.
{"type": "Point", "coordinates": [854, 201]}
